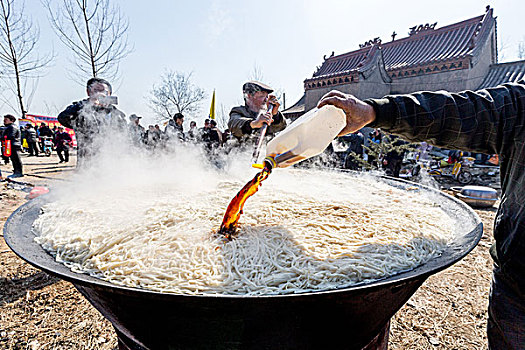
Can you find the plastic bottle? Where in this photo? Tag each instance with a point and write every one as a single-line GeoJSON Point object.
{"type": "Point", "coordinates": [308, 136]}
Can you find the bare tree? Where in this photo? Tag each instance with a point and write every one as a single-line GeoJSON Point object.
{"type": "Point", "coordinates": [222, 118]}
{"type": "Point", "coordinates": [256, 73]}
{"type": "Point", "coordinates": [502, 47]}
{"type": "Point", "coordinates": [94, 31]}
{"type": "Point", "coordinates": [175, 94]}
{"type": "Point", "coordinates": [20, 63]}
{"type": "Point", "coordinates": [521, 49]}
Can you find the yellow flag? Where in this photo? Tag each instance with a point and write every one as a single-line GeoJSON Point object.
{"type": "Point", "coordinates": [212, 107]}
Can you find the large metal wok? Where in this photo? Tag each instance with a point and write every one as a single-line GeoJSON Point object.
{"type": "Point", "coordinates": [349, 318]}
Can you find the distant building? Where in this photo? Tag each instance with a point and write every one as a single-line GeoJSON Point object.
{"type": "Point", "coordinates": [456, 57]}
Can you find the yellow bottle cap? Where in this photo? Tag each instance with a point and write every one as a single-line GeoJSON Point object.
{"type": "Point", "coordinates": [258, 166]}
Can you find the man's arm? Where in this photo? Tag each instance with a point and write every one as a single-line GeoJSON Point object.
{"type": "Point", "coordinates": [485, 121]}
{"type": "Point", "coordinates": [279, 123]}
{"type": "Point", "coordinates": [239, 124]}
{"type": "Point", "coordinates": [67, 116]}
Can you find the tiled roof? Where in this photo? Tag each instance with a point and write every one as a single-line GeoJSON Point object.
{"type": "Point", "coordinates": [424, 46]}
{"type": "Point", "coordinates": [510, 72]}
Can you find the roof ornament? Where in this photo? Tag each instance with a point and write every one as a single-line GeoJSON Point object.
{"type": "Point", "coordinates": [375, 41]}
{"type": "Point", "coordinates": [394, 35]}
{"type": "Point", "coordinates": [332, 55]}
{"type": "Point", "coordinates": [422, 28]}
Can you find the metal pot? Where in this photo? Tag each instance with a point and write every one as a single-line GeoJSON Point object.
{"type": "Point", "coordinates": [356, 317]}
{"type": "Point", "coordinates": [476, 196]}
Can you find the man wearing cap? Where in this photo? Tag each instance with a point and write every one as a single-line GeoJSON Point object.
{"type": "Point", "coordinates": [62, 142]}
{"type": "Point", "coordinates": [136, 131]}
{"type": "Point", "coordinates": [93, 119]}
{"type": "Point", "coordinates": [11, 134]}
{"type": "Point", "coordinates": [246, 120]}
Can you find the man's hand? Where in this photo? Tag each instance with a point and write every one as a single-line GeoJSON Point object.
{"type": "Point", "coordinates": [358, 113]}
{"type": "Point", "coordinates": [272, 100]}
{"type": "Point", "coordinates": [262, 119]}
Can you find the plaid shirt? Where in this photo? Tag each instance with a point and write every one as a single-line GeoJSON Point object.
{"type": "Point", "coordinates": [486, 121]}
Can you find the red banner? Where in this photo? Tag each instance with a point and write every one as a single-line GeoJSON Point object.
{"type": "Point", "coordinates": [51, 122]}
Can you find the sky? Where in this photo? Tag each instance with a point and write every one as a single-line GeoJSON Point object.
{"type": "Point", "coordinates": [221, 43]}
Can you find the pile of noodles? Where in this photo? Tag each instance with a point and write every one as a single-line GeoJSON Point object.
{"type": "Point", "coordinates": [303, 231]}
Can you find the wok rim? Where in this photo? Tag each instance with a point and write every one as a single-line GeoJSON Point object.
{"type": "Point", "coordinates": [60, 270]}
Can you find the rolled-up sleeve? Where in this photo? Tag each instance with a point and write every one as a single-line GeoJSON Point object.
{"type": "Point", "coordinates": [279, 123]}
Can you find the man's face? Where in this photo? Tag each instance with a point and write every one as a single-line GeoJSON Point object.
{"type": "Point", "coordinates": [179, 121]}
{"type": "Point", "coordinates": [257, 100]}
{"type": "Point", "coordinates": [98, 89]}
{"type": "Point", "coordinates": [7, 121]}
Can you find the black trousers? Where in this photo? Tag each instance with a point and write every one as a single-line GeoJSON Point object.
{"type": "Point", "coordinates": [33, 148]}
{"type": "Point", "coordinates": [506, 323]}
{"type": "Point", "coordinates": [16, 161]}
{"type": "Point", "coordinates": [63, 154]}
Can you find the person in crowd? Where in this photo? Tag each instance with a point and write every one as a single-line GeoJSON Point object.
{"type": "Point", "coordinates": [374, 142]}
{"type": "Point", "coordinates": [245, 121]}
{"type": "Point", "coordinates": [43, 132]}
{"type": "Point", "coordinates": [487, 121]}
{"type": "Point", "coordinates": [62, 142]}
{"type": "Point", "coordinates": [204, 132]}
{"type": "Point", "coordinates": [137, 132]}
{"type": "Point", "coordinates": [32, 140]}
{"type": "Point", "coordinates": [94, 117]}
{"type": "Point", "coordinates": [174, 130]}
{"type": "Point", "coordinates": [152, 138]}
{"type": "Point", "coordinates": [23, 138]}
{"type": "Point", "coordinates": [394, 156]}
{"type": "Point", "coordinates": [4, 159]}
{"type": "Point", "coordinates": [355, 149]}
{"type": "Point", "coordinates": [215, 136]}
{"type": "Point", "coordinates": [193, 132]}
{"type": "Point", "coordinates": [12, 134]}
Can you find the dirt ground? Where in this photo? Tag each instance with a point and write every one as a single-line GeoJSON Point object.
{"type": "Point", "coordinates": [42, 312]}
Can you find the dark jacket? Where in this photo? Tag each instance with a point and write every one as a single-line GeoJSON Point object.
{"type": "Point", "coordinates": [45, 131]}
{"type": "Point", "coordinates": [31, 135]}
{"type": "Point", "coordinates": [11, 132]}
{"type": "Point", "coordinates": [486, 121]}
{"type": "Point", "coordinates": [242, 116]}
{"type": "Point", "coordinates": [89, 121]}
{"type": "Point", "coordinates": [137, 133]}
{"type": "Point", "coordinates": [61, 140]}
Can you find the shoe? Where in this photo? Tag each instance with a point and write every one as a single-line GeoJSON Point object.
{"type": "Point", "coordinates": [12, 176]}
{"type": "Point", "coordinates": [61, 162]}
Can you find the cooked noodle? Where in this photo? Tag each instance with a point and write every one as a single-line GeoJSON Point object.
{"type": "Point", "coordinates": [298, 233]}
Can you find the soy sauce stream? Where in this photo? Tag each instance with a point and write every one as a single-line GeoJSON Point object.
{"type": "Point", "coordinates": [234, 211]}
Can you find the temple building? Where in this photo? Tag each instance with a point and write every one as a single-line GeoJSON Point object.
{"type": "Point", "coordinates": [456, 57]}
